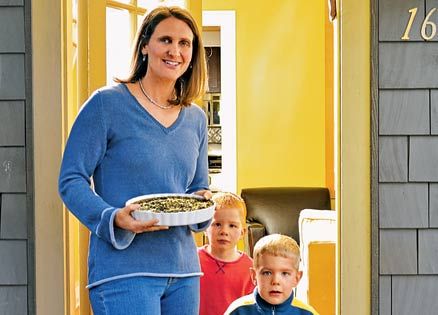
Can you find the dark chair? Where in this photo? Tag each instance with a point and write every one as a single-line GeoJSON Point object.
{"type": "Point", "coordinates": [277, 209]}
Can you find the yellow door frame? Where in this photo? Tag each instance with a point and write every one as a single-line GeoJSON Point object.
{"type": "Point", "coordinates": [353, 156]}
{"type": "Point", "coordinates": [84, 72]}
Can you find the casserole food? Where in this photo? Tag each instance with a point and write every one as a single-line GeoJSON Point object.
{"type": "Point", "coordinates": [173, 209]}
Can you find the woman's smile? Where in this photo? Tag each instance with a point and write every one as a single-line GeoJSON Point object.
{"type": "Point", "coordinates": [172, 63]}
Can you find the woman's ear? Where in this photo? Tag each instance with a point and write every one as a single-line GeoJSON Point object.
{"type": "Point", "coordinates": [144, 50]}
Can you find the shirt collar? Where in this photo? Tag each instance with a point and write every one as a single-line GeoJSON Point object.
{"type": "Point", "coordinates": [268, 306]}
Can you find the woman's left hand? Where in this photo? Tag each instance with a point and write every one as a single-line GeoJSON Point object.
{"type": "Point", "coordinates": [204, 193]}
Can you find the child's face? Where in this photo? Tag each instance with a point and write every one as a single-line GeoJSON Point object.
{"type": "Point", "coordinates": [275, 277]}
{"type": "Point", "coordinates": [225, 229]}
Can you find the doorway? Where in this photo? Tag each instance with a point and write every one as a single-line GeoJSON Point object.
{"type": "Point", "coordinates": [352, 185]}
{"type": "Point", "coordinates": [220, 25]}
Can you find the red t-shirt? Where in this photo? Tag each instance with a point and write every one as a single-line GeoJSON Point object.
{"type": "Point", "coordinates": [223, 282]}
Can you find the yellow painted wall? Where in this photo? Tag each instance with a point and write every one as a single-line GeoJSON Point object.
{"type": "Point", "coordinates": [280, 91]}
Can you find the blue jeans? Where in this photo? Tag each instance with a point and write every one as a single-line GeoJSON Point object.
{"type": "Point", "coordinates": [146, 296]}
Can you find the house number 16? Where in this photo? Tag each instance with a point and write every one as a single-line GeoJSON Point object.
{"type": "Point", "coordinates": [425, 26]}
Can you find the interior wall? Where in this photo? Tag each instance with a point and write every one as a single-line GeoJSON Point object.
{"type": "Point", "coordinates": [274, 94]}
{"type": "Point", "coordinates": [280, 92]}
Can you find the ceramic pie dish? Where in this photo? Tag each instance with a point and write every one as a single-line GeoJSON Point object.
{"type": "Point", "coordinates": [173, 209]}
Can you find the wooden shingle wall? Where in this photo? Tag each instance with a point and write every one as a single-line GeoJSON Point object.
{"type": "Point", "coordinates": [15, 155]}
{"type": "Point", "coordinates": [407, 159]}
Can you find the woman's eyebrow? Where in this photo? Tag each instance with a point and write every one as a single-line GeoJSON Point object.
{"type": "Point", "coordinates": [170, 37]}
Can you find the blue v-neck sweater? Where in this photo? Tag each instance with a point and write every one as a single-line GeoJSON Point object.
{"type": "Point", "coordinates": [128, 153]}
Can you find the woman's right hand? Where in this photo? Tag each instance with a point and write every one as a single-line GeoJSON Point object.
{"type": "Point", "coordinates": [125, 221]}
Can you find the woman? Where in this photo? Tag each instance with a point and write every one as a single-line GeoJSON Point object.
{"type": "Point", "coordinates": [142, 137]}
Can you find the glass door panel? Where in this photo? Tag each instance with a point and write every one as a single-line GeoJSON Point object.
{"type": "Point", "coordinates": [156, 3]}
{"type": "Point", "coordinates": [118, 43]}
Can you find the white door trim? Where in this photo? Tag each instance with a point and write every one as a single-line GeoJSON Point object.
{"type": "Point", "coordinates": [226, 20]}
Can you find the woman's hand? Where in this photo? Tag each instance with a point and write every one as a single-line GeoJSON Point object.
{"type": "Point", "coordinates": [125, 221]}
{"type": "Point", "coordinates": [204, 193]}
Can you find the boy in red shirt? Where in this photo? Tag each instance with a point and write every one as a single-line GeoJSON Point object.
{"type": "Point", "coordinates": [226, 270]}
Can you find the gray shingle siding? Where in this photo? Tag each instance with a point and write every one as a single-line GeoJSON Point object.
{"type": "Point", "coordinates": [414, 295]}
{"type": "Point", "coordinates": [392, 26]}
{"type": "Point", "coordinates": [428, 251]}
{"type": "Point", "coordinates": [16, 236]}
{"type": "Point", "coordinates": [403, 205]}
{"type": "Point", "coordinates": [12, 29]}
{"type": "Point", "coordinates": [408, 65]}
{"type": "Point", "coordinates": [13, 300]}
{"type": "Point", "coordinates": [407, 180]}
{"type": "Point", "coordinates": [398, 252]}
{"type": "Point", "coordinates": [434, 112]}
{"type": "Point", "coordinates": [12, 123]}
{"type": "Point", "coordinates": [423, 159]}
{"type": "Point", "coordinates": [385, 295]}
{"type": "Point", "coordinates": [404, 112]}
{"type": "Point", "coordinates": [12, 76]}
{"type": "Point", "coordinates": [13, 216]}
{"type": "Point", "coordinates": [433, 205]}
{"type": "Point", "coordinates": [393, 159]}
{"type": "Point", "coordinates": [11, 3]}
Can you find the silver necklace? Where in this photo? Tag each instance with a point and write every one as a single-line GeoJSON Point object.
{"type": "Point", "coordinates": [151, 100]}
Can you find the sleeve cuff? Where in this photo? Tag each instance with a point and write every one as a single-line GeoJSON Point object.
{"type": "Point", "coordinates": [106, 230]}
{"type": "Point", "coordinates": [199, 227]}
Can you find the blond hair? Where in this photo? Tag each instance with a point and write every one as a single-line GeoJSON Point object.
{"type": "Point", "coordinates": [193, 83]}
{"type": "Point", "coordinates": [277, 245]}
{"type": "Point", "coordinates": [228, 200]}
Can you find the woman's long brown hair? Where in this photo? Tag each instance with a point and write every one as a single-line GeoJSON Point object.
{"type": "Point", "coordinates": [193, 83]}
